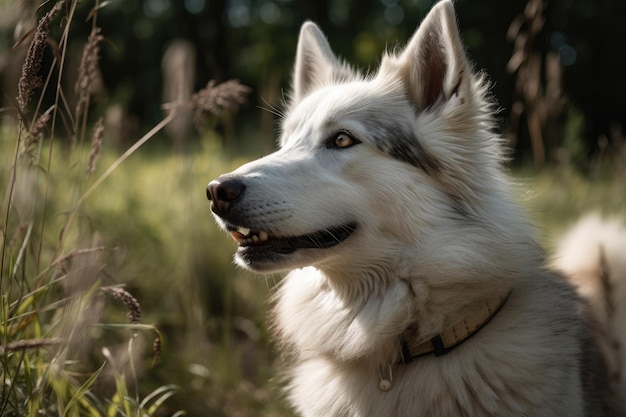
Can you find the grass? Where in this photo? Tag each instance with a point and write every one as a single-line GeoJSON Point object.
{"type": "Point", "coordinates": [117, 292]}
{"type": "Point", "coordinates": [557, 197]}
{"type": "Point", "coordinates": [147, 227]}
{"type": "Point", "coordinates": [114, 292]}
{"type": "Point", "coordinates": [155, 236]}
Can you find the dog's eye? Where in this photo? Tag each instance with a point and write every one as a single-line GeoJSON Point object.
{"type": "Point", "coordinates": [343, 140]}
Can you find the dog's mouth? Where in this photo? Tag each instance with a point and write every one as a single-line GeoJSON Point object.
{"type": "Point", "coordinates": [259, 241]}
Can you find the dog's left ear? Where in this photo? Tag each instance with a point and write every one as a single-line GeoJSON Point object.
{"type": "Point", "coordinates": [433, 63]}
{"type": "Point", "coordinates": [316, 64]}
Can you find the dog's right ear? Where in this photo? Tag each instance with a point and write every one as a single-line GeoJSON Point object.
{"type": "Point", "coordinates": [316, 64]}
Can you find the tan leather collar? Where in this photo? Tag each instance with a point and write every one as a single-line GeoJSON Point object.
{"type": "Point", "coordinates": [453, 336]}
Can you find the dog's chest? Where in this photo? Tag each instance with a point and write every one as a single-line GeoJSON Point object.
{"type": "Point", "coordinates": [316, 321]}
{"type": "Point", "coordinates": [321, 387]}
{"type": "Point", "coordinates": [342, 356]}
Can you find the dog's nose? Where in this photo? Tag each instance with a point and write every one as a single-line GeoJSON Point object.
{"type": "Point", "coordinates": [223, 193]}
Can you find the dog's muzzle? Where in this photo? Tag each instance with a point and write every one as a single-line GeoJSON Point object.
{"type": "Point", "coordinates": [261, 245]}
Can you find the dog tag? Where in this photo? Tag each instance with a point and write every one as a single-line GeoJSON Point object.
{"type": "Point", "coordinates": [384, 385]}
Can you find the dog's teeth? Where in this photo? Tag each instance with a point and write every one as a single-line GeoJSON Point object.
{"type": "Point", "coordinates": [243, 235]}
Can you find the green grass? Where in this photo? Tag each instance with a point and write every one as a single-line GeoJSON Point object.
{"type": "Point", "coordinates": [83, 251]}
{"type": "Point", "coordinates": [557, 197]}
{"type": "Point", "coordinates": [152, 216]}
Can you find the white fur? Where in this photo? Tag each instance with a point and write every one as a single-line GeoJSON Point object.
{"type": "Point", "coordinates": [436, 233]}
{"type": "Point", "coordinates": [592, 249]}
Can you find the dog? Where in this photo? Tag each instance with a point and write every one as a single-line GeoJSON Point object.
{"type": "Point", "coordinates": [416, 287]}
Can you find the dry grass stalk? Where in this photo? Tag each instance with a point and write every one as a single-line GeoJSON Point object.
{"type": "Point", "coordinates": [78, 252]}
{"type": "Point", "coordinates": [30, 344]}
{"type": "Point", "coordinates": [87, 70]}
{"type": "Point", "coordinates": [134, 309]}
{"type": "Point", "coordinates": [36, 131]}
{"type": "Point", "coordinates": [18, 234]}
{"type": "Point", "coordinates": [215, 99]}
{"type": "Point", "coordinates": [156, 348]}
{"type": "Point", "coordinates": [96, 145]}
{"type": "Point", "coordinates": [538, 95]}
{"type": "Point", "coordinates": [30, 78]}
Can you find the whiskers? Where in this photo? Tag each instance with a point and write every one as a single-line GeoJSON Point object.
{"type": "Point", "coordinates": [272, 109]}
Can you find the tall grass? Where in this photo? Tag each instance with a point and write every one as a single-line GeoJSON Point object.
{"type": "Point", "coordinates": [65, 346]}
{"type": "Point", "coordinates": [54, 292]}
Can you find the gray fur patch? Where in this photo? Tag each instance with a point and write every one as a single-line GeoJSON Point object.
{"type": "Point", "coordinates": [400, 142]}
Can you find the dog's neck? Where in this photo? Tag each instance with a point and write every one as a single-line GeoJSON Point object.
{"type": "Point", "coordinates": [468, 323]}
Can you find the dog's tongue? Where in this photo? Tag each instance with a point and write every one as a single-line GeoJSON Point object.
{"type": "Point", "coordinates": [238, 237]}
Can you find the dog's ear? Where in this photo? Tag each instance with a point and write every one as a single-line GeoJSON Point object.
{"type": "Point", "coordinates": [433, 63]}
{"type": "Point", "coordinates": [316, 64]}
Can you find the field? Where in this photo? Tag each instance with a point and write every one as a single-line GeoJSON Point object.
{"type": "Point", "coordinates": [147, 229]}
{"type": "Point", "coordinates": [118, 294]}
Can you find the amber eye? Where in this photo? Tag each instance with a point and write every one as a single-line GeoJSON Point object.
{"type": "Point", "coordinates": [343, 140]}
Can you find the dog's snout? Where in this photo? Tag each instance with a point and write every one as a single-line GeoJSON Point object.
{"type": "Point", "coordinates": [223, 193]}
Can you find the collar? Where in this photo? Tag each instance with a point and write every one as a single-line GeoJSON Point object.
{"type": "Point", "coordinates": [478, 316]}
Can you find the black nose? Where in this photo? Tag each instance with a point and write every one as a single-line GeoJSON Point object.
{"type": "Point", "coordinates": [223, 193]}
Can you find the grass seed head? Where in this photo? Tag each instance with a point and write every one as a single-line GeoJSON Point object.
{"type": "Point", "coordinates": [156, 349]}
{"type": "Point", "coordinates": [96, 145]}
{"type": "Point", "coordinates": [87, 70]}
{"type": "Point", "coordinates": [134, 309]}
{"type": "Point", "coordinates": [30, 78]}
{"type": "Point", "coordinates": [217, 98]}
{"type": "Point", "coordinates": [37, 129]}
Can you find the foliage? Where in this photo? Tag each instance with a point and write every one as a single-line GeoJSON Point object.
{"type": "Point", "coordinates": [64, 350]}
{"type": "Point", "coordinates": [254, 40]}
{"type": "Point", "coordinates": [53, 281]}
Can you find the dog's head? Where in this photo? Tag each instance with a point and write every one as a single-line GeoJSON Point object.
{"type": "Point", "coordinates": [368, 165]}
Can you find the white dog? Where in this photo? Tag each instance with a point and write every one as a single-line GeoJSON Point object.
{"type": "Point", "coordinates": [416, 286]}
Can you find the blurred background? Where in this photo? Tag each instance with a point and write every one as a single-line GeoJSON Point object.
{"type": "Point", "coordinates": [556, 69]}
{"type": "Point", "coordinates": [550, 62]}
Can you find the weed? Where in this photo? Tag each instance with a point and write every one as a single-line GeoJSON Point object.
{"type": "Point", "coordinates": [61, 349]}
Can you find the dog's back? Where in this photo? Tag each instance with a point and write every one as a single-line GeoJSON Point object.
{"type": "Point", "coordinates": [592, 255]}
